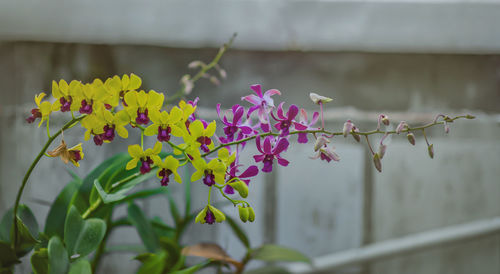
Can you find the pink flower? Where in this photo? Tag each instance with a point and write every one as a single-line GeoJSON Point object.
{"type": "Point", "coordinates": [262, 103]}
{"type": "Point", "coordinates": [303, 124]}
{"type": "Point", "coordinates": [270, 151]}
{"type": "Point", "coordinates": [285, 121]}
{"type": "Point", "coordinates": [251, 171]}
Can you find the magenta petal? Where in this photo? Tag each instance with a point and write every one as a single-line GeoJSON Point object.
{"type": "Point", "coordinates": [258, 89]}
{"type": "Point", "coordinates": [246, 130]}
{"type": "Point", "coordinates": [293, 110]}
{"type": "Point", "coordinates": [271, 92]}
{"type": "Point", "coordinates": [252, 99]}
{"type": "Point", "coordinates": [265, 127]}
{"type": "Point", "coordinates": [315, 118]}
{"type": "Point", "coordinates": [280, 112]}
{"type": "Point", "coordinates": [252, 109]}
{"type": "Point", "coordinates": [282, 145]}
{"type": "Point", "coordinates": [267, 145]}
{"type": "Point", "coordinates": [257, 142]}
{"type": "Point", "coordinates": [250, 172]}
{"type": "Point", "coordinates": [259, 158]}
{"type": "Point", "coordinates": [282, 162]}
{"type": "Point", "coordinates": [299, 126]}
{"type": "Point", "coordinates": [302, 138]}
{"type": "Point", "coordinates": [218, 111]}
{"type": "Point", "coordinates": [237, 115]}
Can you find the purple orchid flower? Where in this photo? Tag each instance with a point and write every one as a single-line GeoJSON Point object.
{"type": "Point", "coordinates": [285, 121]}
{"type": "Point", "coordinates": [236, 126]}
{"type": "Point", "coordinates": [251, 171]}
{"type": "Point", "coordinates": [262, 103]}
{"type": "Point", "coordinates": [303, 124]}
{"type": "Point", "coordinates": [269, 152]}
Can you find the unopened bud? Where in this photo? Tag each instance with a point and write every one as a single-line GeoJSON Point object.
{"type": "Point", "coordinates": [468, 116]}
{"type": "Point", "coordinates": [381, 150]}
{"type": "Point", "coordinates": [316, 98]}
{"type": "Point", "coordinates": [243, 211]}
{"type": "Point", "coordinates": [251, 214]}
{"type": "Point", "coordinates": [382, 118]}
{"type": "Point", "coordinates": [214, 80]}
{"type": "Point", "coordinates": [241, 187]}
{"type": "Point", "coordinates": [320, 142]}
{"type": "Point", "coordinates": [402, 126]}
{"type": "Point", "coordinates": [188, 84]}
{"type": "Point", "coordinates": [195, 64]}
{"type": "Point", "coordinates": [446, 127]}
{"type": "Point", "coordinates": [223, 73]}
{"type": "Point", "coordinates": [354, 135]}
{"type": "Point", "coordinates": [430, 149]}
{"type": "Point", "coordinates": [347, 128]}
{"type": "Point", "coordinates": [411, 138]}
{"type": "Point", "coordinates": [377, 162]}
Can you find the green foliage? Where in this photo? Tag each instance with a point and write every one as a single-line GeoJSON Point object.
{"type": "Point", "coordinates": [81, 266]}
{"type": "Point", "coordinates": [144, 227]}
{"type": "Point", "coordinates": [269, 270]}
{"type": "Point", "coordinates": [7, 255]}
{"type": "Point", "coordinates": [238, 231]}
{"type": "Point", "coordinates": [54, 224]}
{"type": "Point", "coordinates": [27, 230]}
{"type": "Point", "coordinates": [276, 253]}
{"type": "Point", "coordinates": [58, 256]}
{"type": "Point", "coordinates": [40, 261]}
{"type": "Point", "coordinates": [82, 236]}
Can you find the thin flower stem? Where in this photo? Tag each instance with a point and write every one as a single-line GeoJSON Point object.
{"type": "Point", "coordinates": [322, 118]}
{"type": "Point", "coordinates": [30, 169]}
{"type": "Point", "coordinates": [425, 137]}
{"type": "Point", "coordinates": [142, 140]}
{"type": "Point", "coordinates": [181, 92]}
{"type": "Point", "coordinates": [209, 194]}
{"type": "Point", "coordinates": [48, 130]}
{"type": "Point", "coordinates": [235, 202]}
{"type": "Point", "coordinates": [369, 145]}
{"type": "Point", "coordinates": [315, 131]}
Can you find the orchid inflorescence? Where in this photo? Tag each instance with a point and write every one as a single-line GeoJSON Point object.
{"type": "Point", "coordinates": [109, 107]}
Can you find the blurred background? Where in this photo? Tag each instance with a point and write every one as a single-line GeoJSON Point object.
{"type": "Point", "coordinates": [409, 59]}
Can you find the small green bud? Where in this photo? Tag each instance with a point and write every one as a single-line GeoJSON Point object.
{"type": "Point", "coordinates": [251, 214]}
{"type": "Point", "coordinates": [241, 187]}
{"type": "Point", "coordinates": [377, 162]}
{"type": "Point", "coordinates": [317, 99]}
{"type": "Point", "coordinates": [468, 116]}
{"type": "Point", "coordinates": [244, 213]}
{"type": "Point", "coordinates": [430, 149]}
{"type": "Point", "coordinates": [219, 216]}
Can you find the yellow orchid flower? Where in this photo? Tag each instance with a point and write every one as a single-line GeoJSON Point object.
{"type": "Point", "coordinates": [147, 157]}
{"type": "Point", "coordinates": [200, 135]}
{"type": "Point", "coordinates": [87, 97]}
{"type": "Point", "coordinates": [66, 94]}
{"type": "Point", "coordinates": [74, 154]}
{"type": "Point", "coordinates": [114, 122]}
{"type": "Point", "coordinates": [223, 155]}
{"type": "Point", "coordinates": [116, 88]}
{"type": "Point", "coordinates": [139, 104]}
{"type": "Point", "coordinates": [213, 172]}
{"type": "Point", "coordinates": [210, 215]}
{"type": "Point", "coordinates": [43, 111]}
{"type": "Point", "coordinates": [94, 126]}
{"type": "Point", "coordinates": [164, 124]}
{"type": "Point", "coordinates": [166, 168]}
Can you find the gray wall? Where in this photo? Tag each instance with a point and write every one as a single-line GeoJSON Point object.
{"type": "Point", "coordinates": [319, 208]}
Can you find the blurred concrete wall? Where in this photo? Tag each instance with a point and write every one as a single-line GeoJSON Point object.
{"type": "Point", "coordinates": [319, 208]}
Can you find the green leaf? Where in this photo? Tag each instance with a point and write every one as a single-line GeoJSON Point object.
{"type": "Point", "coordinates": [192, 269]}
{"type": "Point", "coordinates": [173, 207]}
{"type": "Point", "coordinates": [40, 261]}
{"type": "Point", "coordinates": [238, 232]}
{"type": "Point", "coordinates": [153, 263]}
{"type": "Point", "coordinates": [187, 193]}
{"type": "Point", "coordinates": [143, 227]}
{"type": "Point", "coordinates": [58, 256]}
{"type": "Point", "coordinates": [173, 251]}
{"type": "Point", "coordinates": [108, 176]}
{"type": "Point", "coordinates": [273, 253]}
{"type": "Point", "coordinates": [25, 241]}
{"type": "Point", "coordinates": [82, 236]}
{"type": "Point", "coordinates": [120, 194]}
{"type": "Point", "coordinates": [269, 270]}
{"type": "Point", "coordinates": [27, 217]}
{"type": "Point", "coordinates": [81, 200]}
{"type": "Point", "coordinates": [161, 229]}
{"type": "Point", "coordinates": [7, 255]}
{"type": "Point", "coordinates": [81, 266]}
{"type": "Point", "coordinates": [54, 224]}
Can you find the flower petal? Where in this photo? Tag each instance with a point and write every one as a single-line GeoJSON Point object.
{"type": "Point", "coordinates": [282, 145]}
{"type": "Point", "coordinates": [135, 151]}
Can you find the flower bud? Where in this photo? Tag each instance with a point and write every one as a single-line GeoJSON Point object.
{"type": "Point", "coordinates": [402, 126]}
{"type": "Point", "coordinates": [382, 118]}
{"type": "Point", "coordinates": [241, 187]}
{"type": "Point", "coordinates": [430, 149]}
{"type": "Point", "coordinates": [251, 214]}
{"type": "Point", "coordinates": [214, 80]}
{"type": "Point", "coordinates": [320, 142]}
{"type": "Point", "coordinates": [195, 64]}
{"type": "Point", "coordinates": [468, 116]}
{"type": "Point", "coordinates": [411, 138]}
{"type": "Point", "coordinates": [200, 218]}
{"type": "Point", "coordinates": [446, 127]}
{"type": "Point", "coordinates": [377, 162]}
{"type": "Point", "coordinates": [347, 128]}
{"type": "Point", "coordinates": [316, 98]}
{"type": "Point", "coordinates": [381, 150]}
{"type": "Point", "coordinates": [354, 135]}
{"type": "Point", "coordinates": [244, 213]}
